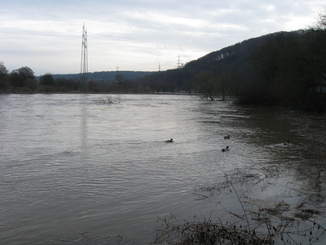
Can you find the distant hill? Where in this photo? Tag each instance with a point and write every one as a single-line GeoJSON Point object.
{"type": "Point", "coordinates": [278, 69]}
{"type": "Point", "coordinates": [106, 76]}
{"type": "Point", "coordinates": [235, 61]}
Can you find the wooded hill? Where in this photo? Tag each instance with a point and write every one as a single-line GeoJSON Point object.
{"type": "Point", "coordinates": [105, 76]}
{"type": "Point", "coordinates": [279, 69]}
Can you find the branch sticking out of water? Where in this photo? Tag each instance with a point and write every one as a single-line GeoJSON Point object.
{"type": "Point", "coordinates": [268, 222]}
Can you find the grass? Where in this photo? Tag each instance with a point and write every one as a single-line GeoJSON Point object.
{"type": "Point", "coordinates": [259, 222]}
{"type": "Point", "coordinates": [207, 232]}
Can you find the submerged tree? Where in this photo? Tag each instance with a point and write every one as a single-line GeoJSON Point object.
{"type": "Point", "coordinates": [207, 83]}
{"type": "Point", "coordinates": [224, 81]}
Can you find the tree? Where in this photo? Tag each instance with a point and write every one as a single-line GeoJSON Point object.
{"type": "Point", "coordinates": [3, 70]}
{"type": "Point", "coordinates": [23, 77]}
{"type": "Point", "coordinates": [47, 80]}
{"type": "Point", "coordinates": [315, 62]}
{"type": "Point", "coordinates": [321, 22]}
{"type": "Point", "coordinates": [276, 77]}
{"type": "Point", "coordinates": [3, 77]}
{"type": "Point", "coordinates": [224, 81]}
{"type": "Point", "coordinates": [207, 83]}
{"type": "Point", "coordinates": [26, 72]}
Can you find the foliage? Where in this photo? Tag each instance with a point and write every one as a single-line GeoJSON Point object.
{"type": "Point", "coordinates": [23, 79]}
{"type": "Point", "coordinates": [47, 80]}
{"type": "Point", "coordinates": [3, 70]}
{"type": "Point", "coordinates": [4, 83]}
{"type": "Point", "coordinates": [279, 69]}
{"type": "Point", "coordinates": [289, 71]}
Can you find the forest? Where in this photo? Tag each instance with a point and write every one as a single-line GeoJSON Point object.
{"type": "Point", "coordinates": [280, 69]}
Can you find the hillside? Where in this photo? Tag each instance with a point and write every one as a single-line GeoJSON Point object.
{"type": "Point", "coordinates": [105, 76]}
{"type": "Point", "coordinates": [234, 60]}
{"type": "Point", "coordinates": [279, 69]}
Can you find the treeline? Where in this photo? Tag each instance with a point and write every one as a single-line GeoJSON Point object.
{"type": "Point", "coordinates": [287, 69]}
{"type": "Point", "coordinates": [23, 80]}
{"type": "Point", "coordinates": [105, 76]}
{"type": "Point", "coordinates": [280, 69]}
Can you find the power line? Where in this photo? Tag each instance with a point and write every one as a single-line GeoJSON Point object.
{"type": "Point", "coordinates": [84, 62]}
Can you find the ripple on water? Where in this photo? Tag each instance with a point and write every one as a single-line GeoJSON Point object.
{"type": "Point", "coordinates": [70, 164]}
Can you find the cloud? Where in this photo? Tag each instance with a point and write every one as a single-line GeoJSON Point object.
{"type": "Point", "coordinates": [137, 34]}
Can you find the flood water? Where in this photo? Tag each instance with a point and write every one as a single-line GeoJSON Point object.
{"type": "Point", "coordinates": [76, 165]}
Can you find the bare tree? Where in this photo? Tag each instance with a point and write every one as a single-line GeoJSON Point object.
{"type": "Point", "coordinates": [207, 83]}
{"type": "Point", "coordinates": [321, 20]}
{"type": "Point", "coordinates": [224, 82]}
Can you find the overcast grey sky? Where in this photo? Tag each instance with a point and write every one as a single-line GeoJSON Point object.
{"type": "Point", "coordinates": [137, 34]}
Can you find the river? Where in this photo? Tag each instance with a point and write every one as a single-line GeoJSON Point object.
{"type": "Point", "coordinates": [76, 167]}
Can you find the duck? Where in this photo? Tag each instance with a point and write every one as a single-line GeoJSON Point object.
{"type": "Point", "coordinates": [225, 149]}
{"type": "Point", "coordinates": [169, 141]}
{"type": "Point", "coordinates": [227, 137]}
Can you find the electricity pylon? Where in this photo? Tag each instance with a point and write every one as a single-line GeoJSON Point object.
{"type": "Point", "coordinates": [84, 62]}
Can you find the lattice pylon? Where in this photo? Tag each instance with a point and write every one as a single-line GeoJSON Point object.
{"type": "Point", "coordinates": [84, 62]}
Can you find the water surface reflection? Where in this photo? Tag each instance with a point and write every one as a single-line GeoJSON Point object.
{"type": "Point", "coordinates": [72, 163]}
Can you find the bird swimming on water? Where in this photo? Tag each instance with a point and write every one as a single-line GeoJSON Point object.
{"type": "Point", "coordinates": [287, 142]}
{"type": "Point", "coordinates": [225, 149]}
{"type": "Point", "coordinates": [227, 137]}
{"type": "Point", "coordinates": [169, 141]}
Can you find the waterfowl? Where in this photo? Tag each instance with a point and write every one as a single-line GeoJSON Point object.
{"type": "Point", "coordinates": [225, 149]}
{"type": "Point", "coordinates": [169, 141]}
{"type": "Point", "coordinates": [287, 142]}
{"type": "Point", "coordinates": [227, 137]}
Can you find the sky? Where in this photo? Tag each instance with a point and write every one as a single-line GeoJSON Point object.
{"type": "Point", "coordinates": [137, 35]}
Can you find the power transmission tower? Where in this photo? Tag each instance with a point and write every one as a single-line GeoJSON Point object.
{"type": "Point", "coordinates": [84, 62]}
